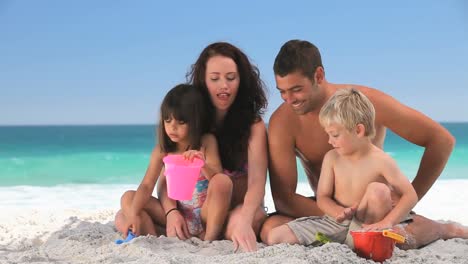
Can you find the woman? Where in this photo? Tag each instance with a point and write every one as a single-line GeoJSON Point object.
{"type": "Point", "coordinates": [235, 100]}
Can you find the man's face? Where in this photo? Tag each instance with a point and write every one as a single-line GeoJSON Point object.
{"type": "Point", "coordinates": [299, 92]}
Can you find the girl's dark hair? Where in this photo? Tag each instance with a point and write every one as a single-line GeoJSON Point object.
{"type": "Point", "coordinates": [248, 107]}
{"type": "Point", "coordinates": [183, 103]}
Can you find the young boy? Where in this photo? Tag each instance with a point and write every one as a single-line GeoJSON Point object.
{"type": "Point", "coordinates": [357, 180]}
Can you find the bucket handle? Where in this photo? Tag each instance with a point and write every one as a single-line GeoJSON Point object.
{"type": "Point", "coordinates": [397, 237]}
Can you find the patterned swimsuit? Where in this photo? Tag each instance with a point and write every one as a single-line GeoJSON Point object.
{"type": "Point", "coordinates": [191, 209]}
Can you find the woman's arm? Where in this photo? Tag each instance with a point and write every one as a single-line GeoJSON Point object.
{"type": "Point", "coordinates": [243, 234]}
{"type": "Point", "coordinates": [257, 169]}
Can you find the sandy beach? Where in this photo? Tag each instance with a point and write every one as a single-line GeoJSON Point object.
{"type": "Point", "coordinates": [36, 233]}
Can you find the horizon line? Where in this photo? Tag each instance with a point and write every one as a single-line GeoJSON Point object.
{"type": "Point", "coordinates": [144, 124]}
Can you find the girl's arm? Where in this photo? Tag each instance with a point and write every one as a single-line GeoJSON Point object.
{"type": "Point", "coordinates": [175, 223]}
{"type": "Point", "coordinates": [146, 187]}
{"type": "Point", "coordinates": [212, 160]}
{"type": "Point", "coordinates": [209, 154]}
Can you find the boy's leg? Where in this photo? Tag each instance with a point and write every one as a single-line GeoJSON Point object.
{"type": "Point", "coordinates": [281, 234]}
{"type": "Point", "coordinates": [216, 206]}
{"type": "Point", "coordinates": [375, 204]}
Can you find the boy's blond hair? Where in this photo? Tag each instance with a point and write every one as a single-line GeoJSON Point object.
{"type": "Point", "coordinates": [349, 107]}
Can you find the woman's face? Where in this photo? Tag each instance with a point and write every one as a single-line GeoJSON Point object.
{"type": "Point", "coordinates": [222, 80]}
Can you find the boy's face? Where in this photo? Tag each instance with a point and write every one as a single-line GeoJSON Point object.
{"type": "Point", "coordinates": [299, 92]}
{"type": "Point", "coordinates": [341, 139]}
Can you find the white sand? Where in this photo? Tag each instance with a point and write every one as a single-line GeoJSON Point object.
{"type": "Point", "coordinates": [30, 233]}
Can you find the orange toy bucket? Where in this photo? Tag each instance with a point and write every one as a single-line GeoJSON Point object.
{"type": "Point", "coordinates": [375, 245]}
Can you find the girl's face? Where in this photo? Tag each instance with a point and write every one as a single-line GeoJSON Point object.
{"type": "Point", "coordinates": [176, 130]}
{"type": "Point", "coordinates": [222, 80]}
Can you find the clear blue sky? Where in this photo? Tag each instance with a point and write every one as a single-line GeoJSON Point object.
{"type": "Point", "coordinates": [111, 62]}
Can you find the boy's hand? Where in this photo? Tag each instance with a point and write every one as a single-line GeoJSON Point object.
{"type": "Point", "coordinates": [347, 214]}
{"type": "Point", "coordinates": [381, 225]}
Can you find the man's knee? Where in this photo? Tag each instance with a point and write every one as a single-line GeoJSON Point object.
{"type": "Point", "coordinates": [271, 223]}
{"type": "Point", "coordinates": [273, 236]}
{"type": "Point", "coordinates": [281, 234]}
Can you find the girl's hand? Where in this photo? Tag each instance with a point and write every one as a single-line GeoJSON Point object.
{"type": "Point", "coordinates": [133, 224]}
{"type": "Point", "coordinates": [176, 226]}
{"type": "Point", "coordinates": [191, 154]}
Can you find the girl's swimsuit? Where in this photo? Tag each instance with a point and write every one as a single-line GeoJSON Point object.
{"type": "Point", "coordinates": [241, 172]}
{"type": "Point", "coordinates": [191, 209]}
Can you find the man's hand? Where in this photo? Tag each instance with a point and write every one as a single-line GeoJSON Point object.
{"type": "Point", "coordinates": [347, 214]}
{"type": "Point", "coordinates": [176, 226]}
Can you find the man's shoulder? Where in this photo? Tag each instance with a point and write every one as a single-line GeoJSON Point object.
{"type": "Point", "coordinates": [282, 116]}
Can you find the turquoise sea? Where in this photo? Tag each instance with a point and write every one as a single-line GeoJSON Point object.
{"type": "Point", "coordinates": [119, 154]}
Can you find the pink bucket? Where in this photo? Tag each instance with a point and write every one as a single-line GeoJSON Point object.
{"type": "Point", "coordinates": [181, 176]}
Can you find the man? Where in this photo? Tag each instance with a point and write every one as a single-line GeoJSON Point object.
{"type": "Point", "coordinates": [294, 130]}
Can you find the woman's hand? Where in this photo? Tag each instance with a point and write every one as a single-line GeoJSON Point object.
{"type": "Point", "coordinates": [176, 225]}
{"type": "Point", "coordinates": [244, 237]}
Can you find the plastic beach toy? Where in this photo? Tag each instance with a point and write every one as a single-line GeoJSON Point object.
{"type": "Point", "coordinates": [375, 245]}
{"type": "Point", "coordinates": [181, 175]}
{"type": "Point", "coordinates": [130, 236]}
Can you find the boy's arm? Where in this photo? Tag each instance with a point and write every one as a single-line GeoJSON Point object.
{"type": "Point", "coordinates": [326, 187]}
{"type": "Point", "coordinates": [402, 187]}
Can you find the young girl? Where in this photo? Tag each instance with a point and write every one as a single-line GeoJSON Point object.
{"type": "Point", "coordinates": [180, 132]}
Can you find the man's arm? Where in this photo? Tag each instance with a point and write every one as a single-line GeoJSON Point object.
{"type": "Point", "coordinates": [417, 129]}
{"type": "Point", "coordinates": [283, 170]}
